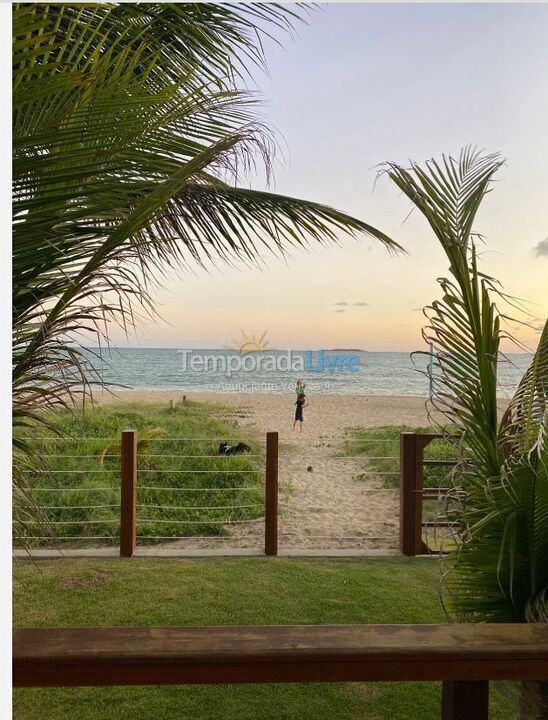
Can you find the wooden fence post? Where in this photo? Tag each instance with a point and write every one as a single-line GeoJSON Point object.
{"type": "Point", "coordinates": [465, 700]}
{"type": "Point", "coordinates": [128, 493]}
{"type": "Point", "coordinates": [408, 464]}
{"type": "Point", "coordinates": [271, 495]}
{"type": "Point", "coordinates": [411, 472]}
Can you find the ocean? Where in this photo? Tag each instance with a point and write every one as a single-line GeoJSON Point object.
{"type": "Point", "coordinates": [343, 371]}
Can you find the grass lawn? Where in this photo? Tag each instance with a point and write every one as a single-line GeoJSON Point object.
{"type": "Point", "coordinates": [184, 487]}
{"type": "Point", "coordinates": [143, 592]}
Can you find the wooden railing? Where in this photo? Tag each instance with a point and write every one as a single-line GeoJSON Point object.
{"type": "Point", "coordinates": [464, 657]}
{"type": "Point", "coordinates": [412, 492]}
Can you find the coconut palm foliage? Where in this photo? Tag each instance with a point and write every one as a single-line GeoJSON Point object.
{"type": "Point", "coordinates": [130, 134]}
{"type": "Point", "coordinates": [499, 571]}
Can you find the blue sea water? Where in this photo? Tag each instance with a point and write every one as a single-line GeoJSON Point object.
{"type": "Point", "coordinates": [276, 371]}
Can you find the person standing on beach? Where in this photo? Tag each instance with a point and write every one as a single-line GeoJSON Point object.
{"type": "Point", "coordinates": [300, 403]}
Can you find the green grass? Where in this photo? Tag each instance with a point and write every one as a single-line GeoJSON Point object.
{"type": "Point", "coordinates": [90, 484]}
{"type": "Point", "coordinates": [382, 445]}
{"type": "Point", "coordinates": [145, 592]}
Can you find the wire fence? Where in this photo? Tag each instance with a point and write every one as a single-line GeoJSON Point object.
{"type": "Point", "coordinates": [184, 493]}
{"type": "Point", "coordinates": [188, 493]}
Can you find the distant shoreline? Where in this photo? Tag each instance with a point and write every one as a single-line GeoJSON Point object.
{"type": "Point", "coordinates": [141, 394]}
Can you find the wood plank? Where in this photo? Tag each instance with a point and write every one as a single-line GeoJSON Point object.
{"type": "Point", "coordinates": [302, 653]}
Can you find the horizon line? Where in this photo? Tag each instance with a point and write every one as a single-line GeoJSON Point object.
{"type": "Point", "coordinates": [286, 349]}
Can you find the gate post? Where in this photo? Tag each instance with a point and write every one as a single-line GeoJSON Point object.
{"type": "Point", "coordinates": [271, 495]}
{"type": "Point", "coordinates": [408, 465]}
{"type": "Point", "coordinates": [411, 471]}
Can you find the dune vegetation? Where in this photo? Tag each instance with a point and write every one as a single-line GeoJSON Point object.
{"type": "Point", "coordinates": [184, 486]}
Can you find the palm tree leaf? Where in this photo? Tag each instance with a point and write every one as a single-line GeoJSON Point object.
{"type": "Point", "coordinates": [498, 572]}
{"type": "Point", "coordinates": [129, 136]}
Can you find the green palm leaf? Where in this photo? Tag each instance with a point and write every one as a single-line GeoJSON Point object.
{"type": "Point", "coordinates": [130, 134]}
{"type": "Point", "coordinates": [498, 571]}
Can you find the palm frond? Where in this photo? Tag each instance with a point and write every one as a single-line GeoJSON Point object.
{"type": "Point", "coordinates": [130, 134]}
{"type": "Point", "coordinates": [498, 571]}
{"type": "Point", "coordinates": [464, 325]}
{"type": "Point", "coordinates": [524, 426]}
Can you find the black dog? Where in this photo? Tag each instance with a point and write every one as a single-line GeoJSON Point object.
{"type": "Point", "coordinates": [226, 449]}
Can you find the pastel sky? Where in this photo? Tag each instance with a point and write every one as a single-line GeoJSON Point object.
{"type": "Point", "coordinates": [358, 85]}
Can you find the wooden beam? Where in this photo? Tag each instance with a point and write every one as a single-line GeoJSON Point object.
{"type": "Point", "coordinates": [303, 653]}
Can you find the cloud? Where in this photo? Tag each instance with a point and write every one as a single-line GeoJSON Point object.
{"type": "Point", "coordinates": [541, 248]}
{"type": "Point", "coordinates": [338, 311]}
{"type": "Point", "coordinates": [343, 304]}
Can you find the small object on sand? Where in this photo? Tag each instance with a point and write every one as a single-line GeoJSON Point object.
{"type": "Point", "coordinates": [226, 449]}
{"type": "Point", "coordinates": [309, 468]}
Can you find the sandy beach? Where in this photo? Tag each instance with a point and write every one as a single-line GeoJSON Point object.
{"type": "Point", "coordinates": [326, 415]}
{"type": "Point", "coordinates": [326, 507]}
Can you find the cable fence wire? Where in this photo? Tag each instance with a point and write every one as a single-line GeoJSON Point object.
{"type": "Point", "coordinates": [55, 538]}
{"type": "Point", "coordinates": [217, 457]}
{"type": "Point", "coordinates": [365, 457]}
{"type": "Point", "coordinates": [196, 489]}
{"type": "Point", "coordinates": [159, 439]}
{"type": "Point", "coordinates": [184, 488]}
{"type": "Point", "coordinates": [156, 538]}
{"type": "Point", "coordinates": [200, 507]}
{"type": "Point", "coordinates": [73, 489]}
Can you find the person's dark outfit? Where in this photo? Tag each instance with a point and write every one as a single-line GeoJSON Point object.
{"type": "Point", "coordinates": [299, 408]}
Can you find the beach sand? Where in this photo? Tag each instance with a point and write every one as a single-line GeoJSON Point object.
{"type": "Point", "coordinates": [327, 507]}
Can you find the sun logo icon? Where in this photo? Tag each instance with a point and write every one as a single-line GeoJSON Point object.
{"type": "Point", "coordinates": [248, 344]}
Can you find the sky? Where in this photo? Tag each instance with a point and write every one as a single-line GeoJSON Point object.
{"type": "Point", "coordinates": [360, 84]}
